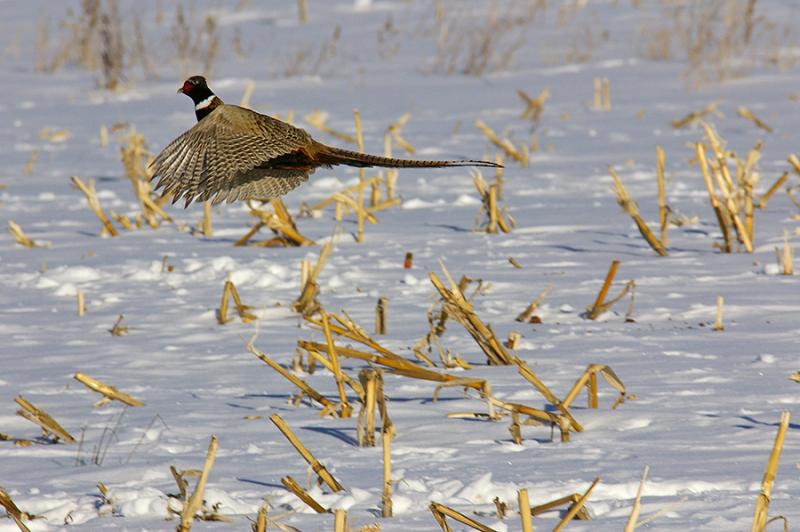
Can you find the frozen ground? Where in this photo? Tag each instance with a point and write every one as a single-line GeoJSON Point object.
{"type": "Point", "coordinates": [707, 403]}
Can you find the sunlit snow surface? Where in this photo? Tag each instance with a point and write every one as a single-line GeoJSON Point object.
{"type": "Point", "coordinates": [707, 403]}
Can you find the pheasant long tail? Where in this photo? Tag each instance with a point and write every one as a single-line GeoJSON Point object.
{"type": "Point", "coordinates": [329, 155]}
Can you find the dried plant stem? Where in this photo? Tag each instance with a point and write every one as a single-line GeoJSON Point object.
{"type": "Point", "coordinates": [445, 511]}
{"type": "Point", "coordinates": [786, 256]}
{"type": "Point", "coordinates": [292, 485]}
{"type": "Point", "coordinates": [81, 303]}
{"type": "Point", "coordinates": [108, 391]}
{"type": "Point", "coordinates": [527, 314]}
{"type": "Point", "coordinates": [630, 526]}
{"type": "Point", "coordinates": [722, 218]}
{"type": "Point", "coordinates": [746, 113]}
{"type": "Point", "coordinates": [663, 212]}
{"type": "Point", "coordinates": [196, 500]}
{"type": "Point", "coordinates": [36, 415]}
{"type": "Point", "coordinates": [598, 306]}
{"type": "Point", "coordinates": [762, 202]}
{"type": "Point", "coordinates": [361, 178]}
{"type": "Point", "coordinates": [318, 468]}
{"type": "Point", "coordinates": [339, 520]}
{"type": "Point", "coordinates": [19, 235]}
{"type": "Point", "coordinates": [301, 384]}
{"type": "Point", "coordinates": [525, 510]}
{"type": "Point", "coordinates": [346, 409]}
{"type": "Point", "coordinates": [380, 315]}
{"type": "Point", "coordinates": [461, 309]}
{"type": "Point", "coordinates": [627, 203]}
{"type": "Point", "coordinates": [576, 507]}
{"type": "Point", "coordinates": [586, 379]}
{"type": "Point", "coordinates": [13, 511]}
{"type": "Point", "coordinates": [302, 11]}
{"type": "Point", "coordinates": [206, 225]}
{"type": "Point", "coordinates": [528, 374]}
{"type": "Point", "coordinates": [228, 291]}
{"type": "Point", "coordinates": [504, 144]}
{"type": "Point", "coordinates": [762, 504]}
{"type": "Point", "coordinates": [386, 443]}
{"type": "Point", "coordinates": [718, 325]}
{"type": "Point", "coordinates": [94, 204]}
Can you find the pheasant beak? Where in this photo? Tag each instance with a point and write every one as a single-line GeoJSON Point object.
{"type": "Point", "coordinates": [180, 90]}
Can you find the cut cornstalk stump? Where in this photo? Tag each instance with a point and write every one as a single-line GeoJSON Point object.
{"type": "Point", "coordinates": [718, 325]}
{"type": "Point", "coordinates": [339, 520]}
{"type": "Point", "coordinates": [527, 373]}
{"type": "Point", "coordinates": [318, 468]}
{"type": "Point", "coordinates": [195, 501]}
{"type": "Point", "coordinates": [762, 504]}
{"type": "Point", "coordinates": [525, 510]}
{"type": "Point", "coordinates": [380, 316]}
{"type": "Point", "coordinates": [109, 392]}
{"type": "Point", "coordinates": [279, 221]}
{"type": "Point", "coordinates": [527, 315]}
{"type": "Point", "coordinates": [36, 415]}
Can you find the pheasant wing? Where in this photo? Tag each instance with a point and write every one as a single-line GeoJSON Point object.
{"type": "Point", "coordinates": [228, 154]}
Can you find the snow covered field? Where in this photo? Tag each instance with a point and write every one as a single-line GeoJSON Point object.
{"type": "Point", "coordinates": [707, 403]}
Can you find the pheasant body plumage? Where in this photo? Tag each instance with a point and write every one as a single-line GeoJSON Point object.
{"type": "Point", "coordinates": [233, 153]}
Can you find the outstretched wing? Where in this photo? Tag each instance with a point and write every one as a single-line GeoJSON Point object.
{"type": "Point", "coordinates": [229, 155]}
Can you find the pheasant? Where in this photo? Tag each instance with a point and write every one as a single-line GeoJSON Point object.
{"type": "Point", "coordinates": [233, 153]}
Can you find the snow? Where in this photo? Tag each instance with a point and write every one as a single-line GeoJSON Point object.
{"type": "Point", "coordinates": [707, 402]}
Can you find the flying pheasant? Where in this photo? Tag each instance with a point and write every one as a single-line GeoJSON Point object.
{"type": "Point", "coordinates": [233, 153]}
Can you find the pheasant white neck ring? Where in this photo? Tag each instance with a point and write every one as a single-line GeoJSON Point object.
{"type": "Point", "coordinates": [205, 103]}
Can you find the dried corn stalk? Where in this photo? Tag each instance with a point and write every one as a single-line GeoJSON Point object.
{"type": "Point", "coordinates": [533, 106]}
{"type": "Point", "coordinates": [461, 310]}
{"type": "Point", "coordinates": [229, 291]}
{"type": "Point", "coordinates": [762, 504]}
{"type": "Point", "coordinates": [14, 512]}
{"type": "Point", "coordinates": [94, 204]}
{"type": "Point", "coordinates": [280, 222]}
{"type": "Point", "coordinates": [694, 116]}
{"type": "Point", "coordinates": [307, 304]}
{"type": "Point", "coordinates": [318, 468]}
{"type": "Point", "coordinates": [496, 218]}
{"type": "Point", "coordinates": [576, 507]}
{"type": "Point", "coordinates": [441, 512]}
{"type": "Point", "coordinates": [319, 119]}
{"type": "Point", "coordinates": [20, 237]}
{"type": "Point", "coordinates": [521, 154]}
{"type": "Point", "coordinates": [589, 379]}
{"type": "Point", "coordinates": [629, 206]}
{"type": "Point", "coordinates": [109, 392]}
{"type": "Point", "coordinates": [36, 415]}
{"type": "Point", "coordinates": [195, 502]}
{"type": "Point", "coordinates": [291, 484]}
